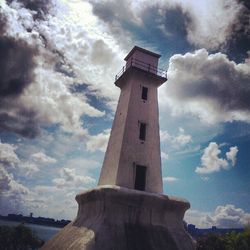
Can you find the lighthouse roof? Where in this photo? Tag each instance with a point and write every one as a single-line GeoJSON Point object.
{"type": "Point", "coordinates": [136, 48]}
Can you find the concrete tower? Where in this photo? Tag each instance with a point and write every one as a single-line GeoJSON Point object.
{"type": "Point", "coordinates": [133, 158]}
{"type": "Point", "coordinates": [128, 211]}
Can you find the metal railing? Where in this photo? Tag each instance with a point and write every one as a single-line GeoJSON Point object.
{"type": "Point", "coordinates": [141, 65]}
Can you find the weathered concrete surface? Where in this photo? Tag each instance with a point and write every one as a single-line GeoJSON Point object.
{"type": "Point", "coordinates": [125, 149]}
{"type": "Point", "coordinates": [114, 218]}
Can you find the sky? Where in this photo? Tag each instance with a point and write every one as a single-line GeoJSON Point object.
{"type": "Point", "coordinates": [58, 61]}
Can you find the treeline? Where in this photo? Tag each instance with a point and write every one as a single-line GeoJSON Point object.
{"type": "Point", "coordinates": [23, 238]}
{"type": "Point", "coordinates": [18, 238]}
{"type": "Point", "coordinates": [229, 241]}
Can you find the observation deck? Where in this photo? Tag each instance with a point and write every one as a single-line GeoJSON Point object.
{"type": "Point", "coordinates": [135, 63]}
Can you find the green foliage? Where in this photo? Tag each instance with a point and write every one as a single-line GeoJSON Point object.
{"type": "Point", "coordinates": [18, 238]}
{"type": "Point", "coordinates": [211, 242]}
{"type": "Point", "coordinates": [229, 241]}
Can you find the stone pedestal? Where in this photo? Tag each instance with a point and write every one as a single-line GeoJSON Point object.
{"type": "Point", "coordinates": [115, 218]}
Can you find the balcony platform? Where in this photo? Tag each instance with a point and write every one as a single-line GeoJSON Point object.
{"type": "Point", "coordinates": [134, 70]}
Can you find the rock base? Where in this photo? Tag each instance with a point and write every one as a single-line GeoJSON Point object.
{"type": "Point", "coordinates": [115, 218]}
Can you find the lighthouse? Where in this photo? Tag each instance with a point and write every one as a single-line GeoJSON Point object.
{"type": "Point", "coordinates": [133, 156]}
{"type": "Point", "coordinates": [127, 210]}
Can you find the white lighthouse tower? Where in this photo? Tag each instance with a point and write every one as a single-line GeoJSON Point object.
{"type": "Point", "coordinates": [133, 158]}
{"type": "Point", "coordinates": [127, 211]}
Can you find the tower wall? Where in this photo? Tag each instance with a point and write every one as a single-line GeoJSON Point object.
{"type": "Point", "coordinates": [141, 152]}
{"type": "Point", "coordinates": [129, 159]}
{"type": "Point", "coordinates": [125, 150]}
{"type": "Point", "coordinates": [112, 156]}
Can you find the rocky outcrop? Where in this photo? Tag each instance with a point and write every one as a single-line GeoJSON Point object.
{"type": "Point", "coordinates": [115, 218]}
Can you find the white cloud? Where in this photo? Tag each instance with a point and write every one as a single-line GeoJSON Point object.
{"type": "Point", "coordinates": [83, 164]}
{"type": "Point", "coordinates": [98, 142]}
{"type": "Point", "coordinates": [182, 139]}
{"type": "Point", "coordinates": [88, 47]}
{"type": "Point", "coordinates": [53, 96]}
{"type": "Point", "coordinates": [197, 218]}
{"type": "Point", "coordinates": [16, 196]}
{"type": "Point", "coordinates": [70, 178]}
{"type": "Point", "coordinates": [15, 171]}
{"type": "Point", "coordinates": [77, 175]}
{"type": "Point", "coordinates": [62, 50]}
{"type": "Point", "coordinates": [212, 30]}
{"type": "Point", "coordinates": [42, 189]}
{"type": "Point", "coordinates": [165, 136]}
{"type": "Point", "coordinates": [189, 151]}
{"type": "Point", "coordinates": [164, 155]}
{"type": "Point", "coordinates": [10, 187]}
{"type": "Point", "coordinates": [42, 158]}
{"type": "Point", "coordinates": [210, 87]}
{"type": "Point", "coordinates": [176, 141]}
{"type": "Point", "coordinates": [202, 28]}
{"type": "Point", "coordinates": [5, 179]}
{"type": "Point", "coordinates": [211, 161]}
{"type": "Point", "coordinates": [205, 178]}
{"type": "Point", "coordinates": [9, 164]}
{"type": "Point", "coordinates": [229, 216]}
{"type": "Point", "coordinates": [224, 216]}
{"type": "Point", "coordinates": [170, 179]}
{"type": "Point", "coordinates": [231, 155]}
{"type": "Point", "coordinates": [28, 168]}
{"type": "Point", "coordinates": [13, 192]}
{"type": "Point", "coordinates": [70, 38]}
{"type": "Point", "coordinates": [8, 155]}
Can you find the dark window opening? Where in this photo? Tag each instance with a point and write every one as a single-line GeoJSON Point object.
{"type": "Point", "coordinates": [142, 135]}
{"type": "Point", "coordinates": [144, 94]}
{"type": "Point", "coordinates": [140, 177]}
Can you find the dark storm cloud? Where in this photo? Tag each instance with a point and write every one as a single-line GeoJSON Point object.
{"type": "Point", "coordinates": [169, 28]}
{"type": "Point", "coordinates": [239, 44]}
{"type": "Point", "coordinates": [115, 14]}
{"type": "Point", "coordinates": [162, 26]}
{"type": "Point", "coordinates": [17, 62]}
{"type": "Point", "coordinates": [105, 11]}
{"type": "Point", "coordinates": [23, 123]}
{"type": "Point", "coordinates": [176, 22]}
{"type": "Point", "coordinates": [32, 76]}
{"type": "Point", "coordinates": [211, 86]}
{"type": "Point", "coordinates": [3, 21]}
{"type": "Point", "coordinates": [231, 93]}
{"type": "Point", "coordinates": [62, 65]}
{"type": "Point", "coordinates": [40, 7]}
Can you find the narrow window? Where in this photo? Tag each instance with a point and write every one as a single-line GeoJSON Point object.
{"type": "Point", "coordinates": [142, 135]}
{"type": "Point", "coordinates": [140, 177]}
{"type": "Point", "coordinates": [144, 93]}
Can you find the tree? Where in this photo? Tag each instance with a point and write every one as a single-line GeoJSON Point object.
{"type": "Point", "coordinates": [18, 238]}
{"type": "Point", "coordinates": [229, 241]}
{"type": "Point", "coordinates": [211, 242]}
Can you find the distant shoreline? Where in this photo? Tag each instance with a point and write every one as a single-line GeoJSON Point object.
{"type": "Point", "coordinates": [42, 221]}
{"type": "Point", "coordinates": [35, 220]}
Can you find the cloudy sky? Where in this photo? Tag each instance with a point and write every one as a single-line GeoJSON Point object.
{"type": "Point", "coordinates": [58, 60]}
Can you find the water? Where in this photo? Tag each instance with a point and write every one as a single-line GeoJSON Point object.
{"type": "Point", "coordinates": [43, 232]}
